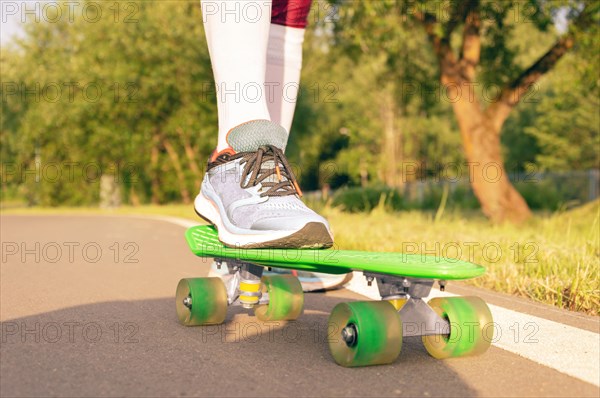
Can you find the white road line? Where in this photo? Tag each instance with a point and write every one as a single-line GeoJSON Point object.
{"type": "Point", "coordinates": [175, 220]}
{"type": "Point", "coordinates": [570, 350]}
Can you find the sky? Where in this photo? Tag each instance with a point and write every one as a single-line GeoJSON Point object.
{"type": "Point", "coordinates": [11, 25]}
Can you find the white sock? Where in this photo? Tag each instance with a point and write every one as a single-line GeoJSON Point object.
{"type": "Point", "coordinates": [237, 33]}
{"type": "Point", "coordinates": [284, 63]}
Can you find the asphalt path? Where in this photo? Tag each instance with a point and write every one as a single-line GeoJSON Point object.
{"type": "Point", "coordinates": [87, 309]}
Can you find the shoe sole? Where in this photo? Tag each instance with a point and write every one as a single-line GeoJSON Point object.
{"type": "Point", "coordinates": [312, 236]}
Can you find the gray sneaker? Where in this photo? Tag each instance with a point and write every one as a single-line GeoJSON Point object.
{"type": "Point", "coordinates": [250, 193]}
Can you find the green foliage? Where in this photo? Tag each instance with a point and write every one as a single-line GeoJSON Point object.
{"type": "Point", "coordinates": [570, 123]}
{"type": "Point", "coordinates": [123, 88]}
{"type": "Point", "coordinates": [541, 192]}
{"type": "Point", "coordinates": [416, 197]}
{"type": "Point", "coordinates": [558, 128]}
{"type": "Point", "coordinates": [366, 199]}
{"type": "Point", "coordinates": [555, 191]}
{"type": "Point", "coordinates": [370, 82]}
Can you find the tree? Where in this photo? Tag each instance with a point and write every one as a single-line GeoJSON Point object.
{"type": "Point", "coordinates": [134, 104]}
{"type": "Point", "coordinates": [370, 97]}
{"type": "Point", "coordinates": [471, 60]}
{"type": "Point", "coordinates": [357, 78]}
{"type": "Point", "coordinates": [481, 127]}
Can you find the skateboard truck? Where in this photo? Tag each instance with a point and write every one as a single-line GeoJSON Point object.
{"type": "Point", "coordinates": [244, 287]}
{"type": "Point", "coordinates": [406, 295]}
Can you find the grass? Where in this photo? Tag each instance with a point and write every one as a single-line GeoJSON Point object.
{"type": "Point", "coordinates": [554, 258]}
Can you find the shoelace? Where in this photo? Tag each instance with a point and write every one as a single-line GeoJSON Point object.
{"type": "Point", "coordinates": [286, 183]}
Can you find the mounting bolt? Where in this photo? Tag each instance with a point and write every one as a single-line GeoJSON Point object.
{"type": "Point", "coordinates": [219, 262]}
{"type": "Point", "coordinates": [442, 284]}
{"type": "Point", "coordinates": [188, 302]}
{"type": "Point", "coordinates": [369, 280]}
{"type": "Point", "coordinates": [349, 335]}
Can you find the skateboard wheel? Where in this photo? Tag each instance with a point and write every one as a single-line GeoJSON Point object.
{"type": "Point", "coordinates": [286, 299]}
{"type": "Point", "coordinates": [364, 333]}
{"type": "Point", "coordinates": [471, 327]}
{"type": "Point", "coordinates": [201, 301]}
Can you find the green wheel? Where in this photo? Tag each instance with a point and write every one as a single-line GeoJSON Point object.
{"type": "Point", "coordinates": [201, 301]}
{"type": "Point", "coordinates": [471, 327]}
{"type": "Point", "coordinates": [286, 299]}
{"type": "Point", "coordinates": [364, 333]}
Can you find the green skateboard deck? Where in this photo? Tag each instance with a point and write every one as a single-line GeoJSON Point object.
{"type": "Point", "coordinates": [203, 241]}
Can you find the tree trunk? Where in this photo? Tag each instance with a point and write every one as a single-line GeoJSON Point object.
{"type": "Point", "coordinates": [392, 149]}
{"type": "Point", "coordinates": [185, 195]}
{"type": "Point", "coordinates": [134, 199]}
{"type": "Point", "coordinates": [154, 183]}
{"type": "Point", "coordinates": [191, 156]}
{"type": "Point", "coordinates": [110, 192]}
{"type": "Point", "coordinates": [364, 174]}
{"type": "Point", "coordinates": [480, 134]}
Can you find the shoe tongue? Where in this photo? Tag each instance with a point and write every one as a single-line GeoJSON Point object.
{"type": "Point", "coordinates": [249, 136]}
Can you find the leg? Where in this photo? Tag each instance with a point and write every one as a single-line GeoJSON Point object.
{"type": "Point", "coordinates": [284, 58]}
{"type": "Point", "coordinates": [237, 34]}
{"type": "Point", "coordinates": [249, 191]}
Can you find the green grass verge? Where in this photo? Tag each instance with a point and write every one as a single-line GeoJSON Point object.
{"type": "Point", "coordinates": [554, 258]}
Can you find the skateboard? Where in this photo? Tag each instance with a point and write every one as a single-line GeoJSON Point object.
{"type": "Point", "coordinates": [360, 333]}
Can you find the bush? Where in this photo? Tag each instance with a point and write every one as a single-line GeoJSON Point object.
{"type": "Point", "coordinates": [551, 194]}
{"type": "Point", "coordinates": [544, 195]}
{"type": "Point", "coordinates": [426, 197]}
{"type": "Point", "coordinates": [460, 196]}
{"type": "Point", "coordinates": [357, 199]}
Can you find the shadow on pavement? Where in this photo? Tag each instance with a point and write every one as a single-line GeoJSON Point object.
{"type": "Point", "coordinates": [138, 348]}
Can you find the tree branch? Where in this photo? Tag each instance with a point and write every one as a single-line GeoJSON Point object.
{"type": "Point", "coordinates": [512, 93]}
{"type": "Point", "coordinates": [470, 51]}
{"type": "Point", "coordinates": [428, 21]}
{"type": "Point", "coordinates": [441, 47]}
{"type": "Point", "coordinates": [459, 15]}
{"type": "Point", "coordinates": [185, 195]}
